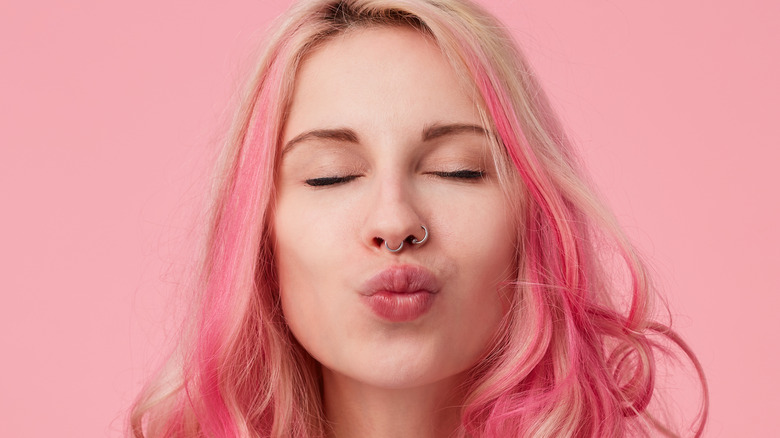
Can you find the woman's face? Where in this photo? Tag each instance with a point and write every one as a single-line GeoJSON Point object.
{"type": "Point", "coordinates": [382, 139]}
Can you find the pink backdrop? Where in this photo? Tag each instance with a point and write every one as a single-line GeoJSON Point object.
{"type": "Point", "coordinates": [109, 114]}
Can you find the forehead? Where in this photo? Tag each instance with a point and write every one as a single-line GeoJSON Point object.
{"type": "Point", "coordinates": [379, 78]}
{"type": "Point", "coordinates": [380, 45]}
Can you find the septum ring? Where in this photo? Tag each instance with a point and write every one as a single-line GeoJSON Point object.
{"type": "Point", "coordinates": [414, 241]}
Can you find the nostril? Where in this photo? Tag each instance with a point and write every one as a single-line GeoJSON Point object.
{"type": "Point", "coordinates": [378, 240]}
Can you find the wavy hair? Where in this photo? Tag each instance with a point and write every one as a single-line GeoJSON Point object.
{"type": "Point", "coordinates": [568, 360]}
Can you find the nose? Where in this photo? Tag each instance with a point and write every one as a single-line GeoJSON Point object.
{"type": "Point", "coordinates": [395, 221]}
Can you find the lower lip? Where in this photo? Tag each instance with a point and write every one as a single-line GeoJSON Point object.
{"type": "Point", "coordinates": [400, 307]}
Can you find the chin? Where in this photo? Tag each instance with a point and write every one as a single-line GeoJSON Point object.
{"type": "Point", "coordinates": [403, 373]}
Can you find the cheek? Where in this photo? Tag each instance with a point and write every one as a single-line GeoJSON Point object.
{"type": "Point", "coordinates": [486, 239]}
{"type": "Point", "coordinates": [309, 256]}
{"type": "Point", "coordinates": [304, 306]}
{"type": "Point", "coordinates": [505, 259]}
{"type": "Point", "coordinates": [499, 261]}
{"type": "Point", "coordinates": [482, 239]}
{"type": "Point", "coordinates": [291, 289]}
{"type": "Point", "coordinates": [293, 258]}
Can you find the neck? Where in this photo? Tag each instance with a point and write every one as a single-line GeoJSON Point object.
{"type": "Point", "coordinates": [355, 409]}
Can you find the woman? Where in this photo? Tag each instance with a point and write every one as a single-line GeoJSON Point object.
{"type": "Point", "coordinates": [402, 244]}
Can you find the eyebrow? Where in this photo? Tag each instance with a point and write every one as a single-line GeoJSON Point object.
{"type": "Point", "coordinates": [338, 134]}
{"type": "Point", "coordinates": [346, 135]}
{"type": "Point", "coordinates": [437, 130]}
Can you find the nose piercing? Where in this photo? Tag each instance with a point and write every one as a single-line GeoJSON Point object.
{"type": "Point", "coordinates": [414, 241]}
{"type": "Point", "coordinates": [394, 250]}
{"type": "Point", "coordinates": [420, 242]}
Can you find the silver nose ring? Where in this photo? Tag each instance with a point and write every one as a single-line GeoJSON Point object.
{"type": "Point", "coordinates": [414, 241]}
{"type": "Point", "coordinates": [394, 250]}
{"type": "Point", "coordinates": [420, 242]}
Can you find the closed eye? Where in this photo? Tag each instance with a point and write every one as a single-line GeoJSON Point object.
{"type": "Point", "coordinates": [461, 174]}
{"type": "Point", "coordinates": [330, 180]}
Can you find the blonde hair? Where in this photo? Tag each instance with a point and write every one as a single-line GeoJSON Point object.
{"type": "Point", "coordinates": [568, 362]}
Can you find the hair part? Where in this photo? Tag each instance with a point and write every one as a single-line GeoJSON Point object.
{"type": "Point", "coordinates": [566, 362]}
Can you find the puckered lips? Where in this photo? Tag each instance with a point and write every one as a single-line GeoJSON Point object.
{"type": "Point", "coordinates": [400, 293]}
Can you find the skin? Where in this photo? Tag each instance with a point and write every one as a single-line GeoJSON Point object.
{"type": "Point", "coordinates": [374, 178]}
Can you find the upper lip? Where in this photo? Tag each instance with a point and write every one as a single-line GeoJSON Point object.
{"type": "Point", "coordinates": [401, 279]}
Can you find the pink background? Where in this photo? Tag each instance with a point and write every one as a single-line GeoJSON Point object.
{"type": "Point", "coordinates": [110, 114]}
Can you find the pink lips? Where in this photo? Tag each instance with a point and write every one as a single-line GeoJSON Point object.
{"type": "Point", "coordinates": [400, 293]}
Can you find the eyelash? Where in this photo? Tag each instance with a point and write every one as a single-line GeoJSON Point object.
{"type": "Point", "coordinates": [461, 174]}
{"type": "Point", "coordinates": [464, 174]}
{"type": "Point", "coordinates": [330, 180]}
